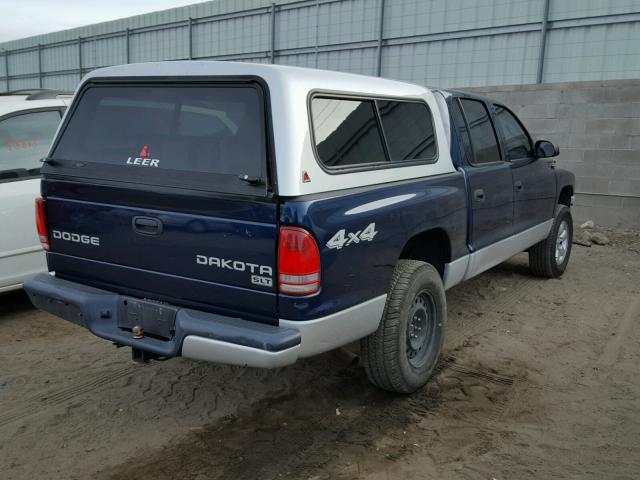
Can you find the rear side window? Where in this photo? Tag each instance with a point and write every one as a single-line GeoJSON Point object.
{"type": "Point", "coordinates": [408, 128]}
{"type": "Point", "coordinates": [346, 132]}
{"type": "Point", "coordinates": [24, 140]}
{"type": "Point", "coordinates": [371, 133]}
{"type": "Point", "coordinates": [179, 133]}
{"type": "Point", "coordinates": [516, 140]}
{"type": "Point", "coordinates": [483, 136]}
{"type": "Point", "coordinates": [458, 118]}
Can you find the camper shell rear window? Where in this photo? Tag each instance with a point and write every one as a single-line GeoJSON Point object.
{"type": "Point", "coordinates": [204, 136]}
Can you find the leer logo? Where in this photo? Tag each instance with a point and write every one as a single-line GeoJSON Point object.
{"type": "Point", "coordinates": [143, 159]}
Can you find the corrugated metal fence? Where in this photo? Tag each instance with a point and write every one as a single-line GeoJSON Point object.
{"type": "Point", "coordinates": [434, 42]}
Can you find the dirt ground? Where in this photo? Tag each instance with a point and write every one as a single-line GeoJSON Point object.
{"type": "Point", "coordinates": [540, 379]}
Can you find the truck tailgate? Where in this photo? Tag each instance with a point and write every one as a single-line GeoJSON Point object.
{"type": "Point", "coordinates": [219, 259]}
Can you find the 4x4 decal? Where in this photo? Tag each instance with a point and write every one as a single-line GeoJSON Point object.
{"type": "Point", "coordinates": [342, 238]}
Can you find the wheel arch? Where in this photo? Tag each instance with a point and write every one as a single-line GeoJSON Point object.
{"type": "Point", "coordinates": [566, 193]}
{"type": "Point", "coordinates": [565, 182]}
{"type": "Point", "coordinates": [432, 246]}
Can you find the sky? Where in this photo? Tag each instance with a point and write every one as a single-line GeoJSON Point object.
{"type": "Point", "coordinates": [25, 18]}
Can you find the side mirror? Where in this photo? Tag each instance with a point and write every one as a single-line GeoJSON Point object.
{"type": "Point", "coordinates": [546, 149]}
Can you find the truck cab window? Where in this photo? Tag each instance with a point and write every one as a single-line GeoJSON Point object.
{"type": "Point", "coordinates": [516, 140]}
{"type": "Point", "coordinates": [458, 118]}
{"type": "Point", "coordinates": [483, 136]}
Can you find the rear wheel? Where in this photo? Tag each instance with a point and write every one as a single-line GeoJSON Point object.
{"type": "Point", "coordinates": [401, 355]}
{"type": "Point", "coordinates": [550, 257]}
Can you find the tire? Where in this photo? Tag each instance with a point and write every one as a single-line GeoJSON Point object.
{"type": "Point", "coordinates": [550, 257]}
{"type": "Point", "coordinates": [399, 357]}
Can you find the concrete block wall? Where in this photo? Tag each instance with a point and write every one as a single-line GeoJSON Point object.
{"type": "Point", "coordinates": [597, 127]}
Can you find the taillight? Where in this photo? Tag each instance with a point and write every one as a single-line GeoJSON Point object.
{"type": "Point", "coordinates": [298, 262]}
{"type": "Point", "coordinates": [41, 223]}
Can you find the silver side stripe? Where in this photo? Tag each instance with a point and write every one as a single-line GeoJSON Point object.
{"type": "Point", "coordinates": [474, 264]}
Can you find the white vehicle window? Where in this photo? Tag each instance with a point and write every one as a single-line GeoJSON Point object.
{"type": "Point", "coordinates": [24, 140]}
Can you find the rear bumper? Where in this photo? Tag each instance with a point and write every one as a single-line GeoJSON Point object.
{"type": "Point", "coordinates": [198, 335]}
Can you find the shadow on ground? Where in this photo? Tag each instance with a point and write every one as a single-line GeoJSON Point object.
{"type": "Point", "coordinates": [15, 302]}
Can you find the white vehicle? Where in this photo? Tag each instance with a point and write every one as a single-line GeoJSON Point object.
{"type": "Point", "coordinates": [28, 121]}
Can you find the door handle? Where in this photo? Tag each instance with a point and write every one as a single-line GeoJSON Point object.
{"type": "Point", "coordinates": [479, 195]}
{"type": "Point", "coordinates": [518, 185]}
{"type": "Point", "coordinates": [147, 225]}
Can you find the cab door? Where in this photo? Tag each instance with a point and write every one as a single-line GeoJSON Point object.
{"type": "Point", "coordinates": [488, 176]}
{"type": "Point", "coordinates": [534, 182]}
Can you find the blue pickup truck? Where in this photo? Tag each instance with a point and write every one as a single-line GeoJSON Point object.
{"type": "Point", "coordinates": [257, 214]}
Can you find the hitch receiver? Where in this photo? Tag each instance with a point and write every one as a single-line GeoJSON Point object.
{"type": "Point", "coordinates": [142, 356]}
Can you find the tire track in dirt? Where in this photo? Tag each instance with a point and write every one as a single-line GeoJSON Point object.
{"type": "Point", "coordinates": [469, 324]}
{"type": "Point", "coordinates": [72, 390]}
{"type": "Point", "coordinates": [449, 363]}
{"type": "Point", "coordinates": [472, 413]}
{"type": "Point", "coordinates": [611, 349]}
{"type": "Point", "coordinates": [338, 419]}
{"type": "Point", "coordinates": [508, 386]}
{"type": "Point", "coordinates": [494, 302]}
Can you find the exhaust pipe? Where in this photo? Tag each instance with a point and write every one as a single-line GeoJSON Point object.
{"type": "Point", "coordinates": [347, 356]}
